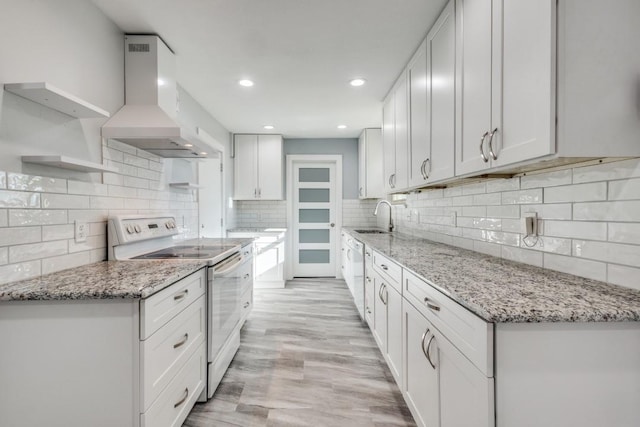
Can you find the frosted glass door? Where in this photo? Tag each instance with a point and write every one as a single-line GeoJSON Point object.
{"type": "Point", "coordinates": [314, 204]}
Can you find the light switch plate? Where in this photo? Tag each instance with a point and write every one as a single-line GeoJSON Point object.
{"type": "Point", "coordinates": [81, 231]}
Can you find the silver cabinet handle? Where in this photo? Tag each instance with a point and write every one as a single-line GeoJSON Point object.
{"type": "Point", "coordinates": [246, 304]}
{"type": "Point", "coordinates": [390, 177]}
{"type": "Point", "coordinates": [386, 293]}
{"type": "Point", "coordinates": [380, 293]}
{"type": "Point", "coordinates": [181, 401]}
{"type": "Point", "coordinates": [484, 136]}
{"type": "Point", "coordinates": [427, 162]}
{"type": "Point", "coordinates": [394, 181]}
{"type": "Point", "coordinates": [491, 153]}
{"type": "Point", "coordinates": [368, 279]}
{"type": "Point", "coordinates": [360, 191]}
{"type": "Point", "coordinates": [182, 341]}
{"type": "Point", "coordinates": [181, 295]}
{"type": "Point", "coordinates": [422, 170]}
{"type": "Point", "coordinates": [255, 193]}
{"type": "Point", "coordinates": [348, 252]}
{"type": "Point", "coordinates": [246, 276]}
{"type": "Point", "coordinates": [384, 267]}
{"type": "Point", "coordinates": [426, 349]}
{"type": "Point", "coordinates": [368, 254]}
{"type": "Point", "coordinates": [431, 305]}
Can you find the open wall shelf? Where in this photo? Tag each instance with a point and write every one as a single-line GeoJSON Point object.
{"type": "Point", "coordinates": [64, 162]}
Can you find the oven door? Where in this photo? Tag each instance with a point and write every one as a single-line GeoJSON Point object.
{"type": "Point", "coordinates": [224, 283]}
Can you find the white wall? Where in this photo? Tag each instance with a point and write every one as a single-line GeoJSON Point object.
{"type": "Point", "coordinates": [589, 219]}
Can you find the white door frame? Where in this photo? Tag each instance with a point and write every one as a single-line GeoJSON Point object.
{"type": "Point", "coordinates": [312, 158]}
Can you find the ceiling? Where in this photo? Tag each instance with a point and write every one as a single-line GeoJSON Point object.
{"type": "Point", "coordinates": [301, 55]}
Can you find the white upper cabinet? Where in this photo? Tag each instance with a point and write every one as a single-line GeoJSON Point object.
{"type": "Point", "coordinates": [395, 136]}
{"type": "Point", "coordinates": [419, 138]}
{"type": "Point", "coordinates": [371, 181]}
{"type": "Point", "coordinates": [441, 96]}
{"type": "Point", "coordinates": [506, 72]}
{"type": "Point", "coordinates": [258, 167]}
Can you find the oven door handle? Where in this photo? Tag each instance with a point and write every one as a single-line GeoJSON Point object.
{"type": "Point", "coordinates": [232, 263]}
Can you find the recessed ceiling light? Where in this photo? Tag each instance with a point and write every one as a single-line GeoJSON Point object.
{"type": "Point", "coordinates": [188, 145]}
{"type": "Point", "coordinates": [357, 82]}
{"type": "Point", "coordinates": [245, 83]}
{"type": "Point", "coordinates": [269, 127]}
{"type": "Point", "coordinates": [203, 153]}
{"type": "Point", "coordinates": [342, 126]}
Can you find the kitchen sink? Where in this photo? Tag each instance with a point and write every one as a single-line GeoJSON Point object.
{"type": "Point", "coordinates": [371, 232]}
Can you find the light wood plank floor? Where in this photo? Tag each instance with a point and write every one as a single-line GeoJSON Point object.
{"type": "Point", "coordinates": [305, 359]}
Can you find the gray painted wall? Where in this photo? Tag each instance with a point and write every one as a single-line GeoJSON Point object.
{"type": "Point", "coordinates": [347, 147]}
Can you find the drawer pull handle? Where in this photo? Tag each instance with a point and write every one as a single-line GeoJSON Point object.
{"type": "Point", "coordinates": [246, 276]}
{"type": "Point", "coordinates": [246, 304]}
{"type": "Point", "coordinates": [384, 267]}
{"type": "Point", "coordinates": [368, 254]}
{"type": "Point", "coordinates": [425, 349]}
{"type": "Point", "coordinates": [181, 295]}
{"type": "Point", "coordinates": [386, 298]}
{"type": "Point", "coordinates": [181, 401]}
{"type": "Point", "coordinates": [368, 279]}
{"type": "Point", "coordinates": [181, 343]}
{"type": "Point", "coordinates": [431, 305]}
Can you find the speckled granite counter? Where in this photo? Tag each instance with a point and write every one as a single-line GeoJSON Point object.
{"type": "Point", "coordinates": [102, 280]}
{"type": "Point", "coordinates": [499, 290]}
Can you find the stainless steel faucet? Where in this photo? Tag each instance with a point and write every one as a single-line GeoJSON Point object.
{"type": "Point", "coordinates": [375, 212]}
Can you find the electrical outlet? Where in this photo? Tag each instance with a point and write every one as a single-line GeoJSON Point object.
{"type": "Point", "coordinates": [530, 224]}
{"type": "Point", "coordinates": [81, 231]}
{"type": "Point", "coordinates": [454, 219]}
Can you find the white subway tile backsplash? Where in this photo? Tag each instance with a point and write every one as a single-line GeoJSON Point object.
{"type": "Point", "coordinates": [58, 232]}
{"type": "Point", "coordinates": [19, 199]}
{"type": "Point", "coordinates": [87, 188]}
{"type": "Point", "coordinates": [106, 203]}
{"type": "Point", "coordinates": [156, 166]}
{"type": "Point", "coordinates": [525, 256]}
{"type": "Point", "coordinates": [477, 188]}
{"type": "Point", "coordinates": [34, 251]}
{"type": "Point", "coordinates": [131, 181]}
{"type": "Point", "coordinates": [576, 229]}
{"type": "Point", "coordinates": [147, 155]}
{"type": "Point", "coordinates": [487, 199]}
{"type": "Point", "coordinates": [3, 180]}
{"type": "Point", "coordinates": [119, 191]}
{"type": "Point", "coordinates": [624, 232]}
{"type": "Point", "coordinates": [112, 154]}
{"type": "Point", "coordinates": [558, 211]}
{"type": "Point", "coordinates": [500, 185]}
{"type": "Point", "coordinates": [580, 267]}
{"type": "Point", "coordinates": [608, 252]}
{"type": "Point", "coordinates": [624, 276]}
{"type": "Point", "coordinates": [4, 256]}
{"type": "Point", "coordinates": [576, 193]}
{"type": "Point", "coordinates": [64, 201]}
{"type": "Point", "coordinates": [112, 143]}
{"type": "Point", "coordinates": [504, 211]}
{"type": "Point", "coordinates": [4, 218]}
{"type": "Point", "coordinates": [62, 262]}
{"type": "Point", "coordinates": [19, 235]}
{"type": "Point", "coordinates": [493, 249]}
{"type": "Point", "coordinates": [475, 211]}
{"type": "Point", "coordinates": [134, 160]}
{"type": "Point", "coordinates": [88, 215]}
{"type": "Point", "coordinates": [625, 189]}
{"type": "Point", "coordinates": [112, 179]}
{"type": "Point", "coordinates": [607, 211]}
{"type": "Point", "coordinates": [20, 271]}
{"type": "Point", "coordinates": [22, 217]}
{"type": "Point", "coordinates": [93, 242]}
{"type": "Point", "coordinates": [522, 196]}
{"type": "Point", "coordinates": [21, 182]}
{"type": "Point", "coordinates": [97, 229]}
{"type": "Point", "coordinates": [149, 174]}
{"type": "Point", "coordinates": [546, 179]}
{"type": "Point", "coordinates": [607, 171]}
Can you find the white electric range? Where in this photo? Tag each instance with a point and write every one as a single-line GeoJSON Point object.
{"type": "Point", "coordinates": [136, 237]}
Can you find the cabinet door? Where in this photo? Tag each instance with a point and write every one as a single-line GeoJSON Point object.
{"type": "Point", "coordinates": [394, 332]}
{"type": "Point", "coordinates": [369, 288]}
{"type": "Point", "coordinates": [524, 53]}
{"type": "Point", "coordinates": [269, 261]}
{"type": "Point", "coordinates": [245, 166]}
{"type": "Point", "coordinates": [270, 167]}
{"type": "Point", "coordinates": [420, 380]}
{"type": "Point", "coordinates": [466, 394]}
{"type": "Point", "coordinates": [371, 165]}
{"type": "Point", "coordinates": [362, 166]}
{"type": "Point", "coordinates": [419, 141]}
{"type": "Point", "coordinates": [441, 95]}
{"type": "Point", "coordinates": [389, 142]}
{"type": "Point", "coordinates": [401, 179]}
{"type": "Point", "coordinates": [380, 314]}
{"type": "Point", "coordinates": [473, 100]}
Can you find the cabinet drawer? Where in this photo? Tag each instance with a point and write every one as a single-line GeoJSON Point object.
{"type": "Point", "coordinates": [246, 277]}
{"type": "Point", "coordinates": [165, 352]}
{"type": "Point", "coordinates": [388, 270]}
{"type": "Point", "coordinates": [247, 304]}
{"type": "Point", "coordinates": [159, 308]}
{"type": "Point", "coordinates": [469, 333]}
{"type": "Point", "coordinates": [175, 402]}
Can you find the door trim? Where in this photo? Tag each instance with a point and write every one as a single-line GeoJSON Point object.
{"type": "Point", "coordinates": [312, 158]}
{"type": "Point", "coordinates": [224, 163]}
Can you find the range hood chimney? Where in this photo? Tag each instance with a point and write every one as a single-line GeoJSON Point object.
{"type": "Point", "coordinates": [148, 120]}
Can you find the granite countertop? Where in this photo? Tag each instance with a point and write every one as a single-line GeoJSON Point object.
{"type": "Point", "coordinates": [102, 280]}
{"type": "Point", "coordinates": [500, 290]}
{"type": "Point", "coordinates": [112, 279]}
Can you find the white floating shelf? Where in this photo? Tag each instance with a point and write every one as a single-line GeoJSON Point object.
{"type": "Point", "coordinates": [52, 97]}
{"type": "Point", "coordinates": [68, 163]}
{"type": "Point", "coordinates": [185, 185]}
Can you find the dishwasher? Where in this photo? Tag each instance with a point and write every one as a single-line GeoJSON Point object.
{"type": "Point", "coordinates": [355, 281]}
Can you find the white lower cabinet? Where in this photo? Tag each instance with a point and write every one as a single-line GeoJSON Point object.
{"type": "Point", "coordinates": [387, 330]}
{"type": "Point", "coordinates": [369, 288]}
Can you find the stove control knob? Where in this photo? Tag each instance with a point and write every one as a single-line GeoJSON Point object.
{"type": "Point", "coordinates": [167, 224]}
{"type": "Point", "coordinates": [130, 229]}
{"type": "Point", "coordinates": [138, 229]}
{"type": "Point", "coordinates": [173, 224]}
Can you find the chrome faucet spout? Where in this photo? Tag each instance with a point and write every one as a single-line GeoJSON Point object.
{"type": "Point", "coordinates": [385, 202]}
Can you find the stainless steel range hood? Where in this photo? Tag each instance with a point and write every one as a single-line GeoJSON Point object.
{"type": "Point", "coordinates": [148, 120]}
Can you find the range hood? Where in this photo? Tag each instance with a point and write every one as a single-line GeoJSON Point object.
{"type": "Point", "coordinates": [148, 120]}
